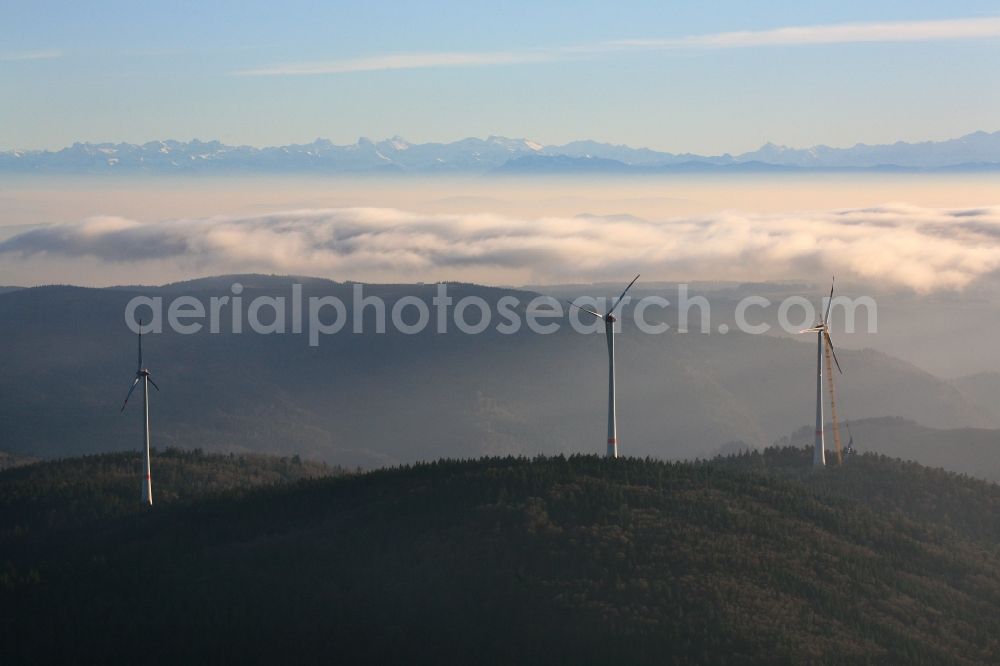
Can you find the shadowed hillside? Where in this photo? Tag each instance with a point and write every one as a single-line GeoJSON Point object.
{"type": "Point", "coordinates": [383, 398]}
{"type": "Point", "coordinates": [973, 451]}
{"type": "Point", "coordinates": [982, 389]}
{"type": "Point", "coordinates": [751, 559]}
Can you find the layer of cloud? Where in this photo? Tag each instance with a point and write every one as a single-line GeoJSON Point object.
{"type": "Point", "coordinates": [848, 33]}
{"type": "Point", "coordinates": [30, 55]}
{"type": "Point", "coordinates": [924, 249]}
{"type": "Point", "coordinates": [404, 61]}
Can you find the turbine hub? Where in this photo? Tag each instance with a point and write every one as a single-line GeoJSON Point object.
{"type": "Point", "coordinates": [610, 319]}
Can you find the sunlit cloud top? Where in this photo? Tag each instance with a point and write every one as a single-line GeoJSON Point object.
{"type": "Point", "coordinates": [923, 249]}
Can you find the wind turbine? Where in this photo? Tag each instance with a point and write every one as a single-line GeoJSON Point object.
{"type": "Point", "coordinates": [142, 374]}
{"type": "Point", "coordinates": [825, 348]}
{"type": "Point", "coordinates": [851, 451]}
{"type": "Point", "coordinates": [609, 329]}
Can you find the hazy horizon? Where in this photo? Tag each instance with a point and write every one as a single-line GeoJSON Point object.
{"type": "Point", "coordinates": [639, 143]}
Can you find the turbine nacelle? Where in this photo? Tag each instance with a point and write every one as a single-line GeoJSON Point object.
{"type": "Point", "coordinates": [610, 316]}
{"type": "Point", "coordinates": [823, 328]}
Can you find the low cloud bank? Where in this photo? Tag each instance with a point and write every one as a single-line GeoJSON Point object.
{"type": "Point", "coordinates": [897, 245]}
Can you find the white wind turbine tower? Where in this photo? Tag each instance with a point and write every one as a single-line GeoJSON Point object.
{"type": "Point", "coordinates": [609, 329]}
{"type": "Point", "coordinates": [824, 349]}
{"type": "Point", "coordinates": [142, 374]}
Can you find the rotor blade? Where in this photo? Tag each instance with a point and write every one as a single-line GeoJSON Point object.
{"type": "Point", "coordinates": [619, 301]}
{"type": "Point", "coordinates": [829, 303]}
{"type": "Point", "coordinates": [814, 329]}
{"type": "Point", "coordinates": [153, 383]}
{"type": "Point", "coordinates": [832, 350]}
{"type": "Point", "coordinates": [134, 383]}
{"type": "Point", "coordinates": [587, 310]}
{"type": "Point", "coordinates": [139, 366]}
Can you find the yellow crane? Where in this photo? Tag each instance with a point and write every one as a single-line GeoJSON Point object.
{"type": "Point", "coordinates": [825, 352]}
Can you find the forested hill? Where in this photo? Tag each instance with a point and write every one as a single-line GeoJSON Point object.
{"type": "Point", "coordinates": [750, 559]}
{"type": "Point", "coordinates": [36, 498]}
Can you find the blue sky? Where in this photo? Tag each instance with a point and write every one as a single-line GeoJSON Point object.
{"type": "Point", "coordinates": [668, 75]}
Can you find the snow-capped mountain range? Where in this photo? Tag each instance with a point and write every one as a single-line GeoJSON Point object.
{"type": "Point", "coordinates": [976, 151]}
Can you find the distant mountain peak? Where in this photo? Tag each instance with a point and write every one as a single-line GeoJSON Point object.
{"type": "Point", "coordinates": [399, 143]}
{"type": "Point", "coordinates": [977, 150]}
